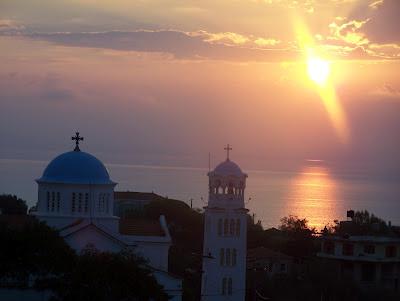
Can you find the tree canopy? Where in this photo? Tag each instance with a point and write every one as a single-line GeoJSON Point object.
{"type": "Point", "coordinates": [34, 255]}
{"type": "Point", "coordinates": [104, 276]}
{"type": "Point", "coordinates": [11, 204]}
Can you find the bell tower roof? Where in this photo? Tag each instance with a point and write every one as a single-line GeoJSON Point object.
{"type": "Point", "coordinates": [228, 168]}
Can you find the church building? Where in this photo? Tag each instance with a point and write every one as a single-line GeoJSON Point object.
{"type": "Point", "coordinates": [225, 230]}
{"type": "Point", "coordinates": [76, 197]}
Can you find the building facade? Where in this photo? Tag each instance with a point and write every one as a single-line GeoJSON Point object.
{"type": "Point", "coordinates": [76, 197]}
{"type": "Point", "coordinates": [225, 231]}
{"type": "Point", "coordinates": [373, 262]}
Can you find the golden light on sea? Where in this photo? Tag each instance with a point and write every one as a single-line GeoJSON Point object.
{"type": "Point", "coordinates": [313, 195]}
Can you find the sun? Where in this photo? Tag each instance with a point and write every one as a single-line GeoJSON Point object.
{"type": "Point", "coordinates": [318, 70]}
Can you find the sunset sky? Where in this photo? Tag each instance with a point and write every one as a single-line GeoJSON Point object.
{"type": "Point", "coordinates": [166, 82]}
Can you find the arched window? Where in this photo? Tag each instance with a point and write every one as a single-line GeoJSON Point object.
{"type": "Point", "coordinates": [48, 200]}
{"type": "Point", "coordinates": [220, 227]}
{"type": "Point", "coordinates": [232, 227]}
{"type": "Point", "coordinates": [228, 257]}
{"type": "Point", "coordinates": [221, 256]}
{"type": "Point", "coordinates": [234, 255]}
{"type": "Point", "coordinates": [73, 203]}
{"type": "Point", "coordinates": [86, 202]}
{"type": "Point", "coordinates": [229, 286]}
{"type": "Point", "coordinates": [226, 226]}
{"type": "Point", "coordinates": [107, 201]}
{"type": "Point", "coordinates": [80, 202]}
{"type": "Point", "coordinates": [238, 227]}
{"type": "Point", "coordinates": [223, 286]}
{"type": "Point", "coordinates": [101, 200]}
{"type": "Point", "coordinates": [230, 188]}
{"type": "Point", "coordinates": [58, 201]}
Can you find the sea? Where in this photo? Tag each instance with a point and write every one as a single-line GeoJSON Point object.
{"type": "Point", "coordinates": [314, 192]}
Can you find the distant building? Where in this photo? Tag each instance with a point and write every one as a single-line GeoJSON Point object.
{"type": "Point", "coordinates": [269, 263]}
{"type": "Point", "coordinates": [225, 235]}
{"type": "Point", "coordinates": [372, 261]}
{"type": "Point", "coordinates": [131, 203]}
{"type": "Point", "coordinates": [76, 196]}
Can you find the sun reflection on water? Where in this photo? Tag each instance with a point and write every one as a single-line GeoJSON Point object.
{"type": "Point", "coordinates": [313, 195]}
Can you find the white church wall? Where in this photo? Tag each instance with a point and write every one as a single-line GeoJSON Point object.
{"type": "Point", "coordinates": [90, 236]}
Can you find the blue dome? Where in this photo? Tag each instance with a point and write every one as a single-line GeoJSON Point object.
{"type": "Point", "coordinates": [76, 167]}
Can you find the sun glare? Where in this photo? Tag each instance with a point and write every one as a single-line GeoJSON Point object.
{"type": "Point", "coordinates": [318, 70]}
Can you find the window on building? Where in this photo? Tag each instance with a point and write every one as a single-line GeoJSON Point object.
{"type": "Point", "coordinates": [73, 202]}
{"type": "Point", "coordinates": [86, 202]}
{"type": "Point", "coordinates": [369, 249]}
{"type": "Point", "coordinates": [232, 227]}
{"type": "Point", "coordinates": [228, 257]}
{"type": "Point", "coordinates": [283, 267]}
{"type": "Point", "coordinates": [238, 227]}
{"type": "Point", "coordinates": [53, 201]}
{"type": "Point", "coordinates": [391, 251]}
{"type": "Point", "coordinates": [48, 201]}
{"type": "Point", "coordinates": [229, 286]}
{"type": "Point", "coordinates": [221, 256]}
{"type": "Point", "coordinates": [226, 227]}
{"type": "Point", "coordinates": [107, 201]}
{"type": "Point", "coordinates": [234, 257]}
{"type": "Point", "coordinates": [101, 200]}
{"type": "Point", "coordinates": [329, 247]}
{"type": "Point", "coordinates": [220, 227]}
{"type": "Point", "coordinates": [224, 286]}
{"type": "Point", "coordinates": [80, 202]}
{"type": "Point", "coordinates": [348, 249]}
{"type": "Point", "coordinates": [58, 201]}
{"type": "Point", "coordinates": [230, 188]}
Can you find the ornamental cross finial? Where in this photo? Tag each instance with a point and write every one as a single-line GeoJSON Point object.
{"type": "Point", "coordinates": [227, 148]}
{"type": "Point", "coordinates": [77, 138]}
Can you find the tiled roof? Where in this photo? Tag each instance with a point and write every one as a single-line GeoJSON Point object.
{"type": "Point", "coordinates": [135, 195]}
{"type": "Point", "coordinates": [140, 227]}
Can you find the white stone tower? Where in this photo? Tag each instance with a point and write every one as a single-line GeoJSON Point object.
{"type": "Point", "coordinates": [225, 234]}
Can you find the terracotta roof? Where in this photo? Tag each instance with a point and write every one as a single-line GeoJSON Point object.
{"type": "Point", "coordinates": [135, 195]}
{"type": "Point", "coordinates": [264, 253]}
{"type": "Point", "coordinates": [140, 227]}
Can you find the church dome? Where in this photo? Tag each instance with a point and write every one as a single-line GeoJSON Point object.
{"type": "Point", "coordinates": [228, 168]}
{"type": "Point", "coordinates": [76, 167]}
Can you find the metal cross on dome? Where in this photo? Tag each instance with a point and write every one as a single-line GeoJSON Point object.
{"type": "Point", "coordinates": [77, 138]}
{"type": "Point", "coordinates": [227, 148]}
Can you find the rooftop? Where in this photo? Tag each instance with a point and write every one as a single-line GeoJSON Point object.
{"type": "Point", "coordinates": [140, 227]}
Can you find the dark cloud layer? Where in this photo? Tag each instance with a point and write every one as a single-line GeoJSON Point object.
{"type": "Point", "coordinates": [180, 44]}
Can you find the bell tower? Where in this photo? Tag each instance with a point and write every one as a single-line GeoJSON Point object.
{"type": "Point", "coordinates": [225, 234]}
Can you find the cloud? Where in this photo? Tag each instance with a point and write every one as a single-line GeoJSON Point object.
{"type": "Point", "coordinates": [387, 91]}
{"type": "Point", "coordinates": [224, 37]}
{"type": "Point", "coordinates": [349, 32]}
{"type": "Point", "coordinates": [266, 42]}
{"type": "Point", "coordinates": [182, 45]}
{"type": "Point", "coordinates": [376, 4]}
{"type": "Point", "coordinates": [10, 26]}
{"type": "Point", "coordinates": [383, 16]}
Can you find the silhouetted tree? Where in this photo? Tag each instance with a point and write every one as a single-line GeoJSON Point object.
{"type": "Point", "coordinates": [30, 248]}
{"type": "Point", "coordinates": [104, 276]}
{"type": "Point", "coordinates": [300, 240]}
{"type": "Point", "coordinates": [10, 204]}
